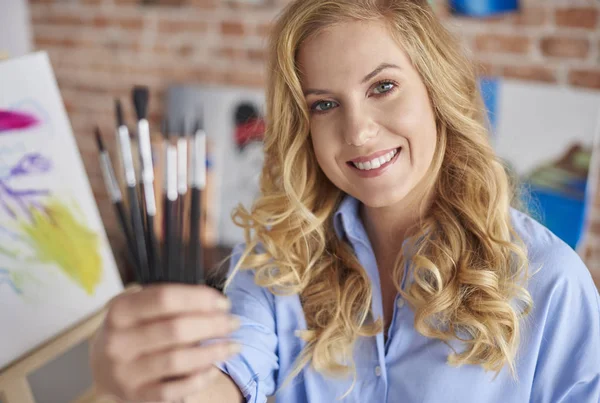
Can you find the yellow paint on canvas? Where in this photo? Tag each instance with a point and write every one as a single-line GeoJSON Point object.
{"type": "Point", "coordinates": [60, 239]}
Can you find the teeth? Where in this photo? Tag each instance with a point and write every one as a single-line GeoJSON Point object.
{"type": "Point", "coordinates": [376, 162]}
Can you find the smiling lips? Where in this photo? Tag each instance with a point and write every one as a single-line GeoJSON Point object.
{"type": "Point", "coordinates": [375, 164]}
{"type": "Point", "coordinates": [375, 160]}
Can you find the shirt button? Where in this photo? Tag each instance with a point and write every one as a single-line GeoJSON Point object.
{"type": "Point", "coordinates": [378, 370]}
{"type": "Point", "coordinates": [400, 303]}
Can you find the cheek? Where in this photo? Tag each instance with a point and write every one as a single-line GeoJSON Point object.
{"type": "Point", "coordinates": [325, 151]}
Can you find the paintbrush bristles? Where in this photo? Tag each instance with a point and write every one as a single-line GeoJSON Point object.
{"type": "Point", "coordinates": [99, 139]}
{"type": "Point", "coordinates": [119, 113]}
{"type": "Point", "coordinates": [140, 101]}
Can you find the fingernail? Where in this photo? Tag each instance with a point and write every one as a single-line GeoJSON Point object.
{"type": "Point", "coordinates": [234, 348]}
{"type": "Point", "coordinates": [234, 323]}
{"type": "Point", "coordinates": [223, 304]}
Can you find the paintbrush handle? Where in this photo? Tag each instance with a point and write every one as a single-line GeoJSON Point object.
{"type": "Point", "coordinates": [170, 257]}
{"type": "Point", "coordinates": [138, 231]}
{"type": "Point", "coordinates": [183, 273]}
{"type": "Point", "coordinates": [120, 210]}
{"type": "Point", "coordinates": [156, 274]}
{"type": "Point", "coordinates": [196, 257]}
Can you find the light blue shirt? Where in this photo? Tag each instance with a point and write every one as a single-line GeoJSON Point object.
{"type": "Point", "coordinates": [558, 360]}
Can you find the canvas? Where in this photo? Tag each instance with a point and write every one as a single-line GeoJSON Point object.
{"type": "Point", "coordinates": [56, 265]}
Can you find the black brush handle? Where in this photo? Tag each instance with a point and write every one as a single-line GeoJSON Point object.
{"type": "Point", "coordinates": [138, 231]}
{"type": "Point", "coordinates": [170, 258]}
{"type": "Point", "coordinates": [131, 249]}
{"type": "Point", "coordinates": [196, 257]}
{"type": "Point", "coordinates": [183, 273]}
{"type": "Point", "coordinates": [156, 274]}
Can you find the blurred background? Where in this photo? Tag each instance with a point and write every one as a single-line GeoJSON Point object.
{"type": "Point", "coordinates": [538, 60]}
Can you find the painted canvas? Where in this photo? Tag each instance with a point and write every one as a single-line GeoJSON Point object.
{"type": "Point", "coordinates": [56, 265]}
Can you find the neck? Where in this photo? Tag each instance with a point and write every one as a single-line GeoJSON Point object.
{"type": "Point", "coordinates": [388, 227]}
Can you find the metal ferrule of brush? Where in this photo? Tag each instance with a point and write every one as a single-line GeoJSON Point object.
{"type": "Point", "coordinates": [145, 151]}
{"type": "Point", "coordinates": [198, 163]}
{"type": "Point", "coordinates": [110, 180]}
{"type": "Point", "coordinates": [182, 152]}
{"type": "Point", "coordinates": [128, 166]}
{"type": "Point", "coordinates": [171, 173]}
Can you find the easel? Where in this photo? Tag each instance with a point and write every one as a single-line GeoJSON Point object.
{"type": "Point", "coordinates": [14, 386]}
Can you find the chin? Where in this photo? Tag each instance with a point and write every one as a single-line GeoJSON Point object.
{"type": "Point", "coordinates": [379, 199]}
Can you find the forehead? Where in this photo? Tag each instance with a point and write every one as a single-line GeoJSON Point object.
{"type": "Point", "coordinates": [347, 51]}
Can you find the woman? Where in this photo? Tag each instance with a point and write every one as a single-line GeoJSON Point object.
{"type": "Point", "coordinates": [383, 261]}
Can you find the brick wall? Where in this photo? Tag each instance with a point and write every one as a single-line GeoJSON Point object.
{"type": "Point", "coordinates": [101, 48]}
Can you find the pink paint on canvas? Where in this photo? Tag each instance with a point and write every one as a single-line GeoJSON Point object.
{"type": "Point", "coordinates": [11, 120]}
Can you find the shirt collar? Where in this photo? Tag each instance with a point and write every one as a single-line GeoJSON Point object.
{"type": "Point", "coordinates": [348, 225]}
{"type": "Point", "coordinates": [346, 217]}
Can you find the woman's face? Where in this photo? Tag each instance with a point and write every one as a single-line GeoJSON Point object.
{"type": "Point", "coordinates": [371, 121]}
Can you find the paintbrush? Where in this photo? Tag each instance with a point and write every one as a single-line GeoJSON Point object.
{"type": "Point", "coordinates": [140, 100]}
{"type": "Point", "coordinates": [182, 188]}
{"type": "Point", "coordinates": [197, 185]}
{"type": "Point", "coordinates": [170, 205]}
{"type": "Point", "coordinates": [114, 192]}
{"type": "Point", "coordinates": [134, 206]}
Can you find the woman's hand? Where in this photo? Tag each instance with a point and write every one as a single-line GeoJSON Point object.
{"type": "Point", "coordinates": [150, 347]}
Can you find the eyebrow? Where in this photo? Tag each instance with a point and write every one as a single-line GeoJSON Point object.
{"type": "Point", "coordinates": [369, 76]}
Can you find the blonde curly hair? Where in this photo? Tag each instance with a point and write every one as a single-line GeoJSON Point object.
{"type": "Point", "coordinates": [468, 264]}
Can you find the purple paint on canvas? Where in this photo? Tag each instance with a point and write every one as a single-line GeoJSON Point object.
{"type": "Point", "coordinates": [11, 120]}
{"type": "Point", "coordinates": [29, 164]}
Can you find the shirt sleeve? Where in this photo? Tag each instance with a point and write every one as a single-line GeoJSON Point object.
{"type": "Point", "coordinates": [254, 368]}
{"type": "Point", "coordinates": [568, 365]}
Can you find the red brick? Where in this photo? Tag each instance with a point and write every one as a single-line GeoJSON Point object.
{"type": "Point", "coordinates": [100, 21]}
{"type": "Point", "coordinates": [531, 16]}
{"type": "Point", "coordinates": [556, 46]}
{"type": "Point", "coordinates": [65, 42]}
{"type": "Point", "coordinates": [229, 53]}
{"type": "Point", "coordinates": [577, 17]}
{"type": "Point", "coordinates": [130, 22]}
{"type": "Point", "coordinates": [244, 78]}
{"type": "Point", "coordinates": [496, 43]}
{"type": "Point", "coordinates": [231, 28]}
{"type": "Point", "coordinates": [185, 50]}
{"type": "Point", "coordinates": [485, 69]}
{"type": "Point", "coordinates": [532, 73]}
{"type": "Point", "coordinates": [63, 20]}
{"type": "Point", "coordinates": [587, 78]}
{"type": "Point", "coordinates": [257, 55]}
{"type": "Point", "coordinates": [174, 26]}
{"type": "Point", "coordinates": [203, 4]}
{"type": "Point", "coordinates": [264, 30]}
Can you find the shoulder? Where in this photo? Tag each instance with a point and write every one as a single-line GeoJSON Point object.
{"type": "Point", "coordinates": [241, 285]}
{"type": "Point", "coordinates": [547, 252]}
{"type": "Point", "coordinates": [553, 265]}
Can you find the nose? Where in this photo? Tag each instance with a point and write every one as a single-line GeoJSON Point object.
{"type": "Point", "coordinates": [359, 128]}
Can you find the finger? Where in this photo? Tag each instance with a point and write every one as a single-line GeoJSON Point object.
{"type": "Point", "coordinates": [179, 362]}
{"type": "Point", "coordinates": [179, 388]}
{"type": "Point", "coordinates": [128, 344]}
{"type": "Point", "coordinates": [155, 301]}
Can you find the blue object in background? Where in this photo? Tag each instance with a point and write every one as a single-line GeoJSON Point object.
{"type": "Point", "coordinates": [561, 214]}
{"type": "Point", "coordinates": [483, 8]}
{"type": "Point", "coordinates": [489, 87]}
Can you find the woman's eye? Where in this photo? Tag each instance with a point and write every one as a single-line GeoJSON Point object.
{"type": "Point", "coordinates": [323, 106]}
{"type": "Point", "coordinates": [384, 87]}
